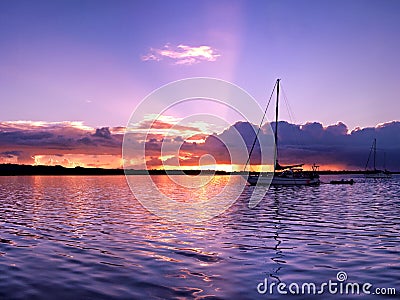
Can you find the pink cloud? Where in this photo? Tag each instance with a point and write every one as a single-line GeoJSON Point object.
{"type": "Point", "coordinates": [182, 54]}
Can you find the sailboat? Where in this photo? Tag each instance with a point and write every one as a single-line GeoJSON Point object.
{"type": "Point", "coordinates": [283, 175]}
{"type": "Point", "coordinates": [375, 173]}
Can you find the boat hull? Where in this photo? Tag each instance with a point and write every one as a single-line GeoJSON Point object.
{"type": "Point", "coordinates": [277, 180]}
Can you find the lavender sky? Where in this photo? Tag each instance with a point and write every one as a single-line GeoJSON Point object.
{"type": "Point", "coordinates": [94, 61]}
{"type": "Point", "coordinates": [83, 60]}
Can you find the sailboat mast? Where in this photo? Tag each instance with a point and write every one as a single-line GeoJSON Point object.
{"type": "Point", "coordinates": [276, 122]}
{"type": "Point", "coordinates": [374, 154]}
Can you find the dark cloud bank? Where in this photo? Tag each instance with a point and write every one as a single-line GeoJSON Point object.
{"type": "Point", "coordinates": [334, 145]}
{"type": "Point", "coordinates": [25, 141]}
{"type": "Point", "coordinates": [309, 143]}
{"type": "Point", "coordinates": [330, 146]}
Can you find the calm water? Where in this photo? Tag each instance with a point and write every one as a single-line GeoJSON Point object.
{"type": "Point", "coordinates": [88, 237]}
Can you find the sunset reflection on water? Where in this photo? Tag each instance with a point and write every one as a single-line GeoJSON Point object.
{"type": "Point", "coordinates": [88, 237]}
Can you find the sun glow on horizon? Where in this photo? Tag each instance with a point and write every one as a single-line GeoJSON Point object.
{"type": "Point", "coordinates": [116, 162]}
{"type": "Point", "coordinates": [80, 160]}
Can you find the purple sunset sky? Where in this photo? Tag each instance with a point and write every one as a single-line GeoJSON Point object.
{"type": "Point", "coordinates": [83, 60]}
{"type": "Point", "coordinates": [69, 67]}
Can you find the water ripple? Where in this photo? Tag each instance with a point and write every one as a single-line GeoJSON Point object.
{"type": "Point", "coordinates": [88, 237]}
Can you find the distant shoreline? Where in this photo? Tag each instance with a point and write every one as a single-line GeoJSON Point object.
{"type": "Point", "coordinates": [28, 170]}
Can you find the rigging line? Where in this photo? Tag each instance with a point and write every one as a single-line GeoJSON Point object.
{"type": "Point", "coordinates": [293, 119]}
{"type": "Point", "coordinates": [292, 116]}
{"type": "Point", "coordinates": [259, 127]}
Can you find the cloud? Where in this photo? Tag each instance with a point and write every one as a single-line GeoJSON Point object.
{"type": "Point", "coordinates": [332, 146]}
{"type": "Point", "coordinates": [10, 154]}
{"type": "Point", "coordinates": [166, 126]}
{"type": "Point", "coordinates": [226, 148]}
{"type": "Point", "coordinates": [336, 145]}
{"type": "Point", "coordinates": [73, 143]}
{"type": "Point", "coordinates": [103, 133]}
{"type": "Point", "coordinates": [29, 142]}
{"type": "Point", "coordinates": [182, 54]}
